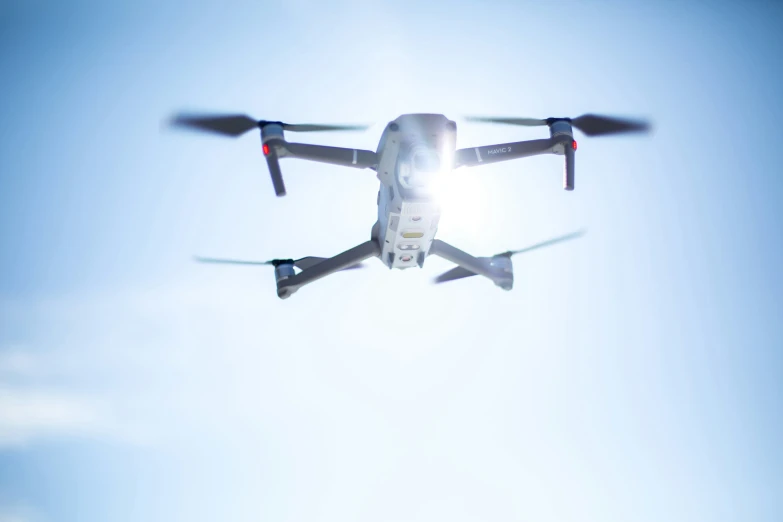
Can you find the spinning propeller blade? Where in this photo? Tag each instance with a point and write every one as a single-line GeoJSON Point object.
{"type": "Point", "coordinates": [235, 125]}
{"type": "Point", "coordinates": [234, 261]}
{"type": "Point", "coordinates": [595, 125]}
{"type": "Point", "coordinates": [230, 125]}
{"type": "Point", "coordinates": [549, 242]}
{"type": "Point", "coordinates": [459, 272]}
{"type": "Point", "coordinates": [528, 122]}
{"type": "Point", "coordinates": [302, 264]}
{"type": "Point", "coordinates": [589, 124]}
{"type": "Point", "coordinates": [317, 127]}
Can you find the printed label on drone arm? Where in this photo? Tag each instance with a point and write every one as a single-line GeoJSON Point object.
{"type": "Point", "coordinates": [499, 150]}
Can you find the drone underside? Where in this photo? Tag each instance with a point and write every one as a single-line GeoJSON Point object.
{"type": "Point", "coordinates": [415, 154]}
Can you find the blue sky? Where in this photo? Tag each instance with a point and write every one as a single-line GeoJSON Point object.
{"type": "Point", "coordinates": [634, 374]}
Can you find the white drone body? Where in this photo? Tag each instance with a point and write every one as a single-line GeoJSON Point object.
{"type": "Point", "coordinates": [415, 155]}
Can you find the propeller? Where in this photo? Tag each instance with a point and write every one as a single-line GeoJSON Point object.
{"type": "Point", "coordinates": [548, 242]}
{"type": "Point", "coordinates": [302, 264]}
{"type": "Point", "coordinates": [234, 125]}
{"type": "Point", "coordinates": [589, 124]}
{"type": "Point", "coordinates": [459, 272]}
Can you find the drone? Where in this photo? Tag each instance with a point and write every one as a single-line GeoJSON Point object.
{"type": "Point", "coordinates": [415, 153]}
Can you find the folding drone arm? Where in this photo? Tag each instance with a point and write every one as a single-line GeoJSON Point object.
{"type": "Point", "coordinates": [562, 144]}
{"type": "Point", "coordinates": [498, 270]}
{"type": "Point", "coordinates": [275, 148]}
{"type": "Point", "coordinates": [288, 282]}
{"type": "Point", "coordinates": [274, 144]}
{"type": "Point", "coordinates": [475, 156]}
{"type": "Point", "coordinates": [357, 158]}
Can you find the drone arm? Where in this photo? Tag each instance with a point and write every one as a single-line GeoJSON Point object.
{"type": "Point", "coordinates": [357, 254]}
{"type": "Point", "coordinates": [479, 266]}
{"type": "Point", "coordinates": [475, 156]}
{"type": "Point", "coordinates": [356, 158]}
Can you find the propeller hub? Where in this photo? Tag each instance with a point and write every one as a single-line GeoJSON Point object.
{"type": "Point", "coordinates": [560, 126]}
{"type": "Point", "coordinates": [284, 268]}
{"type": "Point", "coordinates": [271, 130]}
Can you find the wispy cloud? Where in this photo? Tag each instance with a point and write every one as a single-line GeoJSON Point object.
{"type": "Point", "coordinates": [15, 362]}
{"type": "Point", "coordinates": [191, 362]}
{"type": "Point", "coordinates": [19, 513]}
{"type": "Point", "coordinates": [32, 409]}
{"type": "Point", "coordinates": [68, 381]}
{"type": "Point", "coordinates": [130, 367]}
{"type": "Point", "coordinates": [25, 415]}
{"type": "Point", "coordinates": [28, 416]}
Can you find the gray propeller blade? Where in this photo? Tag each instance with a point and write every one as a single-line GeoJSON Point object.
{"type": "Point", "coordinates": [459, 272]}
{"type": "Point", "coordinates": [229, 125]}
{"type": "Point", "coordinates": [316, 127]}
{"type": "Point", "coordinates": [543, 244]}
{"type": "Point", "coordinates": [233, 261]}
{"type": "Point", "coordinates": [234, 125]}
{"type": "Point", "coordinates": [303, 263]}
{"type": "Point", "coordinates": [589, 124]}
{"type": "Point", "coordinates": [528, 122]}
{"type": "Point", "coordinates": [594, 125]}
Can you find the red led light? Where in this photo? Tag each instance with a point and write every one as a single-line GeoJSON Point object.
{"type": "Point", "coordinates": [265, 148]}
{"type": "Point", "coordinates": [573, 144]}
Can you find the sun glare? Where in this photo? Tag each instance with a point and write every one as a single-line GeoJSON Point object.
{"type": "Point", "coordinates": [462, 201]}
